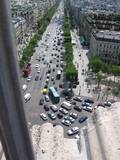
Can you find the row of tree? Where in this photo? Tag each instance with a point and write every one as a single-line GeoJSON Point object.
{"type": "Point", "coordinates": [42, 25]}
{"type": "Point", "coordinates": [70, 69]}
{"type": "Point", "coordinates": [96, 65]}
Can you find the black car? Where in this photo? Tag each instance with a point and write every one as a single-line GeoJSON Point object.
{"type": "Point", "coordinates": [41, 101]}
{"type": "Point", "coordinates": [60, 116]}
{"type": "Point", "coordinates": [82, 119]}
{"type": "Point", "coordinates": [60, 85]}
{"type": "Point", "coordinates": [79, 99]}
{"type": "Point", "coordinates": [73, 102]}
{"type": "Point", "coordinates": [89, 101]}
{"type": "Point", "coordinates": [77, 108]}
{"type": "Point", "coordinates": [46, 108]}
{"type": "Point", "coordinates": [36, 78]}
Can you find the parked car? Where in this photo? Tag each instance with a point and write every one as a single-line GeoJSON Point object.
{"type": "Point", "coordinates": [82, 119]}
{"type": "Point", "coordinates": [78, 108]}
{"type": "Point", "coordinates": [86, 104]}
{"type": "Point", "coordinates": [74, 115]}
{"type": "Point", "coordinates": [59, 115]}
{"type": "Point", "coordinates": [43, 116]}
{"type": "Point", "coordinates": [54, 108]}
{"type": "Point", "coordinates": [89, 101]}
{"type": "Point", "coordinates": [73, 131]}
{"type": "Point", "coordinates": [64, 111]}
{"type": "Point", "coordinates": [52, 115]}
{"type": "Point", "coordinates": [41, 101]}
{"type": "Point", "coordinates": [88, 108]}
{"type": "Point", "coordinates": [72, 120]}
{"type": "Point", "coordinates": [107, 103]}
{"type": "Point", "coordinates": [79, 99]}
{"type": "Point", "coordinates": [73, 102]}
{"type": "Point", "coordinates": [66, 122]}
{"type": "Point", "coordinates": [46, 108]}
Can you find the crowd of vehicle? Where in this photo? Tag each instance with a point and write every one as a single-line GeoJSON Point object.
{"type": "Point", "coordinates": [67, 109]}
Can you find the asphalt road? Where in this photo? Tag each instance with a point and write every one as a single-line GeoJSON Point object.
{"type": "Point", "coordinates": [46, 47]}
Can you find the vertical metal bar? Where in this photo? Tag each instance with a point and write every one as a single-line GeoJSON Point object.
{"type": "Point", "coordinates": [13, 127]}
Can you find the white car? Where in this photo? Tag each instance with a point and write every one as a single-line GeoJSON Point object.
{"type": "Point", "coordinates": [77, 137]}
{"type": "Point", "coordinates": [47, 98]}
{"type": "Point", "coordinates": [43, 116]}
{"type": "Point", "coordinates": [37, 66]}
{"type": "Point", "coordinates": [38, 71]}
{"type": "Point", "coordinates": [66, 122]}
{"type": "Point", "coordinates": [27, 97]}
{"type": "Point", "coordinates": [29, 78]}
{"type": "Point", "coordinates": [54, 108]}
{"type": "Point", "coordinates": [73, 131]}
{"type": "Point", "coordinates": [24, 87]}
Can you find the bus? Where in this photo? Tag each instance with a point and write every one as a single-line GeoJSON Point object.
{"type": "Point", "coordinates": [54, 96]}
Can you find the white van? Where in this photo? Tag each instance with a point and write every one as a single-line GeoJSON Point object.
{"type": "Point", "coordinates": [66, 105]}
{"type": "Point", "coordinates": [27, 97]}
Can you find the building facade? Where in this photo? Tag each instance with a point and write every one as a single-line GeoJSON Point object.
{"type": "Point", "coordinates": [95, 20]}
{"type": "Point", "coordinates": [106, 44]}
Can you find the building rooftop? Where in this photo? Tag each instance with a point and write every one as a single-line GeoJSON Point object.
{"type": "Point", "coordinates": [106, 35]}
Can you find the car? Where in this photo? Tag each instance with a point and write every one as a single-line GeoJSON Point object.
{"type": "Point", "coordinates": [88, 108]}
{"type": "Point", "coordinates": [73, 102]}
{"type": "Point", "coordinates": [60, 85]}
{"type": "Point", "coordinates": [24, 87]}
{"type": "Point", "coordinates": [49, 71]}
{"type": "Point", "coordinates": [52, 115]}
{"type": "Point", "coordinates": [74, 115]}
{"type": "Point", "coordinates": [52, 78]}
{"type": "Point", "coordinates": [79, 99]}
{"type": "Point", "coordinates": [48, 75]}
{"type": "Point", "coordinates": [37, 65]}
{"type": "Point", "coordinates": [59, 115]}
{"type": "Point", "coordinates": [78, 108]}
{"type": "Point", "coordinates": [41, 101]}
{"type": "Point", "coordinates": [66, 122]}
{"type": "Point", "coordinates": [72, 131]}
{"type": "Point", "coordinates": [67, 98]}
{"type": "Point", "coordinates": [38, 71]}
{"type": "Point", "coordinates": [64, 111]}
{"type": "Point", "coordinates": [57, 65]}
{"type": "Point", "coordinates": [46, 108]}
{"type": "Point", "coordinates": [82, 119]}
{"type": "Point", "coordinates": [29, 78]}
{"type": "Point", "coordinates": [27, 97]}
{"type": "Point", "coordinates": [89, 101]}
{"type": "Point", "coordinates": [72, 120]}
{"type": "Point", "coordinates": [86, 104]}
{"type": "Point", "coordinates": [36, 78]}
{"type": "Point", "coordinates": [44, 116]}
{"type": "Point", "coordinates": [47, 99]}
{"type": "Point", "coordinates": [53, 69]}
{"type": "Point", "coordinates": [107, 103]}
{"type": "Point", "coordinates": [77, 136]}
{"type": "Point", "coordinates": [46, 86]}
{"type": "Point", "coordinates": [50, 61]}
{"type": "Point", "coordinates": [74, 85]}
{"type": "Point", "coordinates": [54, 108]}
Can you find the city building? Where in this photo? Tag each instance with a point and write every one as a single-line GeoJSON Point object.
{"type": "Point", "coordinates": [90, 21]}
{"type": "Point", "coordinates": [105, 44]}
